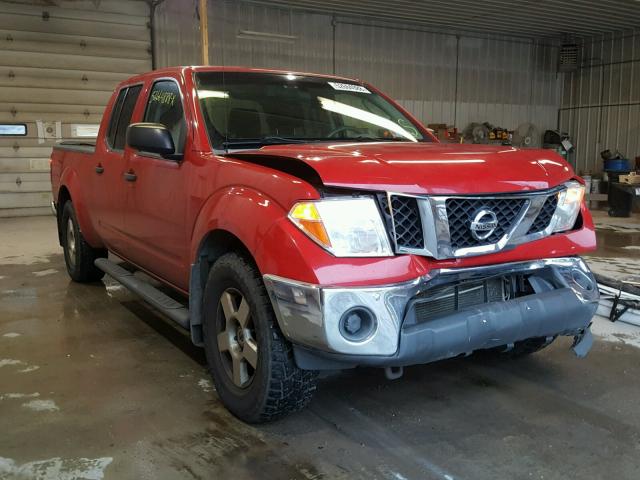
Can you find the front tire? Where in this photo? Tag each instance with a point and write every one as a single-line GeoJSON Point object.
{"type": "Point", "coordinates": [251, 363]}
{"type": "Point", "coordinates": [78, 254]}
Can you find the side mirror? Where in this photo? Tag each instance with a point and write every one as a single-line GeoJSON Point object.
{"type": "Point", "coordinates": [150, 137]}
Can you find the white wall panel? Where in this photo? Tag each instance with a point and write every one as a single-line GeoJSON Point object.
{"type": "Point", "coordinates": [59, 62]}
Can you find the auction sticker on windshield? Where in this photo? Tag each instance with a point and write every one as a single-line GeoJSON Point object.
{"type": "Point", "coordinates": [348, 87]}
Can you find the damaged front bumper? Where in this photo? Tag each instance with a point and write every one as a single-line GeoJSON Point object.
{"type": "Point", "coordinates": [447, 313]}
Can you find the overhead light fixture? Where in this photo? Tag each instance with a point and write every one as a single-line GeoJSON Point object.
{"type": "Point", "coordinates": [270, 37]}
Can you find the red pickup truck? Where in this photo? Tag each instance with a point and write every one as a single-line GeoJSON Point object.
{"type": "Point", "coordinates": [307, 222]}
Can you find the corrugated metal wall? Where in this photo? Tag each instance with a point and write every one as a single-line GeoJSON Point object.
{"type": "Point", "coordinates": [497, 79]}
{"type": "Point", "coordinates": [502, 80]}
{"type": "Point", "coordinates": [601, 101]}
{"type": "Point", "coordinates": [59, 62]}
{"type": "Point", "coordinates": [177, 35]}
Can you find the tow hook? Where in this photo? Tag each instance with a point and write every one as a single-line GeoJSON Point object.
{"type": "Point", "coordinates": [393, 373]}
{"type": "Point", "coordinates": [582, 343]}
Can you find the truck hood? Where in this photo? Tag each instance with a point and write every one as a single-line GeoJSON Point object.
{"type": "Point", "coordinates": [421, 168]}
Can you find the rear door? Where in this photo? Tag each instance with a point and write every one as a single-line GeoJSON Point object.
{"type": "Point", "coordinates": [107, 181]}
{"type": "Point", "coordinates": [155, 215]}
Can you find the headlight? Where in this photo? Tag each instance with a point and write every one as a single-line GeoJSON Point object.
{"type": "Point", "coordinates": [569, 202]}
{"type": "Point", "coordinates": [346, 227]}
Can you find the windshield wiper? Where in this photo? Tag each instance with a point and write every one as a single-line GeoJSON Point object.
{"type": "Point", "coordinates": [371, 139]}
{"type": "Point", "coordinates": [277, 140]}
{"type": "Point", "coordinates": [268, 140]}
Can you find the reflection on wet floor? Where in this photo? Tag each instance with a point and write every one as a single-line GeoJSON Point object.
{"type": "Point", "coordinates": [615, 241]}
{"type": "Point", "coordinates": [618, 246]}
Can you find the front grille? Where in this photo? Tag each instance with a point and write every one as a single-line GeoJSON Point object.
{"type": "Point", "coordinates": [449, 299]}
{"type": "Point", "coordinates": [460, 212]}
{"type": "Point", "coordinates": [441, 226]}
{"type": "Point", "coordinates": [546, 214]}
{"type": "Point", "coordinates": [406, 219]}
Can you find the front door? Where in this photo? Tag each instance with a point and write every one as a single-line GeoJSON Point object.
{"type": "Point", "coordinates": [155, 215]}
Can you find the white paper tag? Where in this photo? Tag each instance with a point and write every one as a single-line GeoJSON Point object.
{"type": "Point", "coordinates": [567, 144]}
{"type": "Point", "coordinates": [349, 87]}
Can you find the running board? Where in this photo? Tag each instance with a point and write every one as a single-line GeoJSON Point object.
{"type": "Point", "coordinates": [167, 305]}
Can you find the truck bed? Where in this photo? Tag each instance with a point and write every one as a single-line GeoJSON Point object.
{"type": "Point", "coordinates": [84, 146]}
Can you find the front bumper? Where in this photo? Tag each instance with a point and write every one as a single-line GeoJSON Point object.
{"type": "Point", "coordinates": [563, 301]}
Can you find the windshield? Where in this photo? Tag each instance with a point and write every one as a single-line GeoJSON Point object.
{"type": "Point", "coordinates": [242, 110]}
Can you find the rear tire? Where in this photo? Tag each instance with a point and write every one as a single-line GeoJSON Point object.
{"type": "Point", "coordinates": [78, 254]}
{"type": "Point", "coordinates": [251, 363]}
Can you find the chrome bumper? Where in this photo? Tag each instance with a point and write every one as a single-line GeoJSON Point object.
{"type": "Point", "coordinates": [312, 316]}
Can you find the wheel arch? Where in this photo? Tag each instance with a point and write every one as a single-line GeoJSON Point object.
{"type": "Point", "coordinates": [71, 190]}
{"type": "Point", "coordinates": [63, 197]}
{"type": "Point", "coordinates": [214, 244]}
{"type": "Point", "coordinates": [246, 220]}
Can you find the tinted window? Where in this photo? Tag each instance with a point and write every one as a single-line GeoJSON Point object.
{"type": "Point", "coordinates": [125, 116]}
{"type": "Point", "coordinates": [242, 109]}
{"type": "Point", "coordinates": [165, 107]}
{"type": "Point", "coordinates": [115, 113]}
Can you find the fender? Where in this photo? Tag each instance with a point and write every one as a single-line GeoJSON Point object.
{"type": "Point", "coordinates": [73, 184]}
{"type": "Point", "coordinates": [261, 224]}
{"type": "Point", "coordinates": [256, 220]}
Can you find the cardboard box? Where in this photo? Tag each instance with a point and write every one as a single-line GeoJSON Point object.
{"type": "Point", "coordinates": [631, 179]}
{"type": "Point", "coordinates": [444, 132]}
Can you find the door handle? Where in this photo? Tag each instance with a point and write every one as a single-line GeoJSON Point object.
{"type": "Point", "coordinates": [130, 176]}
{"type": "Point", "coordinates": [99, 169]}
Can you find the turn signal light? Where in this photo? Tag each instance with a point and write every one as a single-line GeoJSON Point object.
{"type": "Point", "coordinates": [306, 216]}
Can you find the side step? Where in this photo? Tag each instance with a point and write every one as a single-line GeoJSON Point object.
{"type": "Point", "coordinates": [167, 305]}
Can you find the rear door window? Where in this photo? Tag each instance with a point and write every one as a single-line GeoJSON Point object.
{"type": "Point", "coordinates": [115, 113]}
{"type": "Point", "coordinates": [165, 106]}
{"type": "Point", "coordinates": [124, 119]}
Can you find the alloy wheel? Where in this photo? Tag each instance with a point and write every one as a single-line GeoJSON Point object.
{"type": "Point", "coordinates": [71, 243]}
{"type": "Point", "coordinates": [236, 338]}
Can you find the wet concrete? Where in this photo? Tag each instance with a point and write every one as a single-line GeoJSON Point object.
{"type": "Point", "coordinates": [618, 252]}
{"type": "Point", "coordinates": [617, 236]}
{"type": "Point", "coordinates": [121, 393]}
{"type": "Point", "coordinates": [612, 243]}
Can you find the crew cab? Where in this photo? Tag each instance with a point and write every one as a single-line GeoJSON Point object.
{"type": "Point", "coordinates": [305, 222]}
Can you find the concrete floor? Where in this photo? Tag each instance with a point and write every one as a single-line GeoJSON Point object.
{"type": "Point", "coordinates": [93, 383]}
{"type": "Point", "coordinates": [618, 253]}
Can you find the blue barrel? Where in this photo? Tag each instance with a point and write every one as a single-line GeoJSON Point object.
{"type": "Point", "coordinates": [617, 165]}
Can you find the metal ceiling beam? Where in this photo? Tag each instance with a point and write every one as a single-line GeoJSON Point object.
{"type": "Point", "coordinates": [583, 11]}
{"type": "Point", "coordinates": [451, 22]}
{"type": "Point", "coordinates": [524, 18]}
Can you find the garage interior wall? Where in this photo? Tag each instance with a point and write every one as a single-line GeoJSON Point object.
{"type": "Point", "coordinates": [601, 101]}
{"type": "Point", "coordinates": [59, 64]}
{"type": "Point", "coordinates": [439, 77]}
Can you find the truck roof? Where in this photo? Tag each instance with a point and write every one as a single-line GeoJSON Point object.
{"type": "Point", "coordinates": [185, 70]}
